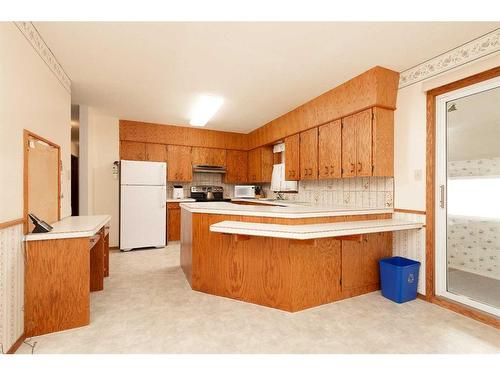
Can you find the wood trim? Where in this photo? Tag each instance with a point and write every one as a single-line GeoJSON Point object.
{"type": "Point", "coordinates": [17, 344]}
{"type": "Point", "coordinates": [469, 312]}
{"type": "Point", "coordinates": [26, 135]}
{"type": "Point", "coordinates": [430, 195]}
{"type": "Point", "coordinates": [11, 223]}
{"type": "Point", "coordinates": [406, 211]}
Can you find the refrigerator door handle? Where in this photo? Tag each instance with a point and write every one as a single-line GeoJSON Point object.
{"type": "Point", "coordinates": [163, 197]}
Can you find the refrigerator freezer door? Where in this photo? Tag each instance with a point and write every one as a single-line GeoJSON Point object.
{"type": "Point", "coordinates": [143, 216]}
{"type": "Point", "coordinates": [143, 172]}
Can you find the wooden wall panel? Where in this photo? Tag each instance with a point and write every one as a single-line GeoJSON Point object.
{"type": "Point", "coordinates": [375, 87]}
{"type": "Point", "coordinates": [180, 135]}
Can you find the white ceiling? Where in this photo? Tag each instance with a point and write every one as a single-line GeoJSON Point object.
{"type": "Point", "coordinates": [154, 72]}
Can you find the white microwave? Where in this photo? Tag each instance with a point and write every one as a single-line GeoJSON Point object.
{"type": "Point", "coordinates": [244, 191]}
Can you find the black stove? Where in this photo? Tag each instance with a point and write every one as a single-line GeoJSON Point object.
{"type": "Point", "coordinates": [201, 193]}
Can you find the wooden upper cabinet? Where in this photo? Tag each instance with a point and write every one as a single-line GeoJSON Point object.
{"type": "Point", "coordinates": [329, 150]}
{"type": "Point", "coordinates": [357, 144]}
{"type": "Point", "coordinates": [364, 143]}
{"type": "Point", "coordinates": [309, 154]}
{"type": "Point", "coordinates": [236, 167]}
{"type": "Point", "coordinates": [179, 163]}
{"type": "Point", "coordinates": [260, 164]}
{"type": "Point", "coordinates": [132, 150]}
{"type": "Point", "coordinates": [156, 152]}
{"type": "Point", "coordinates": [383, 142]}
{"type": "Point", "coordinates": [208, 156]}
{"type": "Point", "coordinates": [267, 163]}
{"type": "Point", "coordinates": [292, 164]}
{"type": "Point", "coordinates": [254, 167]}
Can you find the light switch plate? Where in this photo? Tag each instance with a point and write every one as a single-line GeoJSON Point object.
{"type": "Point", "coordinates": [418, 174]}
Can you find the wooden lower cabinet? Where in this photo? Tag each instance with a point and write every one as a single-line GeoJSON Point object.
{"type": "Point", "coordinates": [360, 267]}
{"type": "Point", "coordinates": [173, 222]}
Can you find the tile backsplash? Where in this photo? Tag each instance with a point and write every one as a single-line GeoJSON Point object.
{"type": "Point", "coordinates": [362, 192]}
{"type": "Point", "coordinates": [203, 179]}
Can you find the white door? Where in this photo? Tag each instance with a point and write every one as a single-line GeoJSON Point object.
{"type": "Point", "coordinates": [143, 172]}
{"type": "Point", "coordinates": [467, 196]}
{"type": "Point", "coordinates": [143, 216]}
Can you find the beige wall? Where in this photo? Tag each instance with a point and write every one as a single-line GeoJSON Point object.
{"type": "Point", "coordinates": [410, 133]}
{"type": "Point", "coordinates": [31, 97]}
{"type": "Point", "coordinates": [99, 148]}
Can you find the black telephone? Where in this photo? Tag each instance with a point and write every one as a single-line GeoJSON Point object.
{"type": "Point", "coordinates": [40, 225]}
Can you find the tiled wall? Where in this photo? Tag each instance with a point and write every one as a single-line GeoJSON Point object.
{"type": "Point", "coordinates": [363, 192]}
{"type": "Point", "coordinates": [411, 244]}
{"type": "Point", "coordinates": [474, 245]}
{"type": "Point", "coordinates": [203, 179]}
{"type": "Point", "coordinates": [11, 285]}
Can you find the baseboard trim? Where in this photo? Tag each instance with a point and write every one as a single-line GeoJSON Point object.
{"type": "Point", "coordinates": [467, 311]}
{"type": "Point", "coordinates": [17, 344]}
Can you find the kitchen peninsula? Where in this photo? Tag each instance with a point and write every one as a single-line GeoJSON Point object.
{"type": "Point", "coordinates": [285, 255]}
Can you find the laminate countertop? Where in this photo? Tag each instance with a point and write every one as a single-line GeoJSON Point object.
{"type": "Point", "coordinates": [72, 227]}
{"type": "Point", "coordinates": [313, 231]}
{"type": "Point", "coordinates": [291, 210]}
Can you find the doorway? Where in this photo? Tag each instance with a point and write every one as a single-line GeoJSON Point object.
{"type": "Point", "coordinates": [467, 196]}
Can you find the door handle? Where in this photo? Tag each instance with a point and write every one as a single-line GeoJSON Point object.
{"type": "Point", "coordinates": [353, 167]}
{"type": "Point", "coordinates": [360, 166]}
{"type": "Point", "coordinates": [442, 197]}
{"type": "Point", "coordinates": [332, 170]}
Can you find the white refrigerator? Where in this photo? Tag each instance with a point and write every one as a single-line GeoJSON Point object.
{"type": "Point", "coordinates": [143, 204]}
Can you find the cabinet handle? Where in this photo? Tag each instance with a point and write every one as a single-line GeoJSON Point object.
{"type": "Point", "coordinates": [310, 171]}
{"type": "Point", "coordinates": [305, 171]}
{"type": "Point", "coordinates": [327, 171]}
{"type": "Point", "coordinates": [331, 169]}
{"type": "Point", "coordinates": [360, 166]}
{"type": "Point", "coordinates": [353, 167]}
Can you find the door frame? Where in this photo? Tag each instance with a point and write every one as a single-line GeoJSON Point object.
{"type": "Point", "coordinates": [430, 253]}
{"type": "Point", "coordinates": [26, 136]}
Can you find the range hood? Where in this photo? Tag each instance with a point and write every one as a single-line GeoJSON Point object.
{"type": "Point", "coordinates": [209, 169]}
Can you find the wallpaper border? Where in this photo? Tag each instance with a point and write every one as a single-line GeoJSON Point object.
{"type": "Point", "coordinates": [35, 39]}
{"type": "Point", "coordinates": [470, 51]}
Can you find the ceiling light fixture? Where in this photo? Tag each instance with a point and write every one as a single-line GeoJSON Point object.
{"type": "Point", "coordinates": [204, 109]}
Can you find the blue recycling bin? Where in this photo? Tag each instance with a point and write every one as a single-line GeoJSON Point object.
{"type": "Point", "coordinates": [399, 278]}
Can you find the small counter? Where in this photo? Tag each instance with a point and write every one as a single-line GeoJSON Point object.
{"type": "Point", "coordinates": [62, 268]}
{"type": "Point", "coordinates": [277, 209]}
{"type": "Point", "coordinates": [72, 227]}
{"type": "Point", "coordinates": [172, 200]}
{"type": "Point", "coordinates": [313, 231]}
